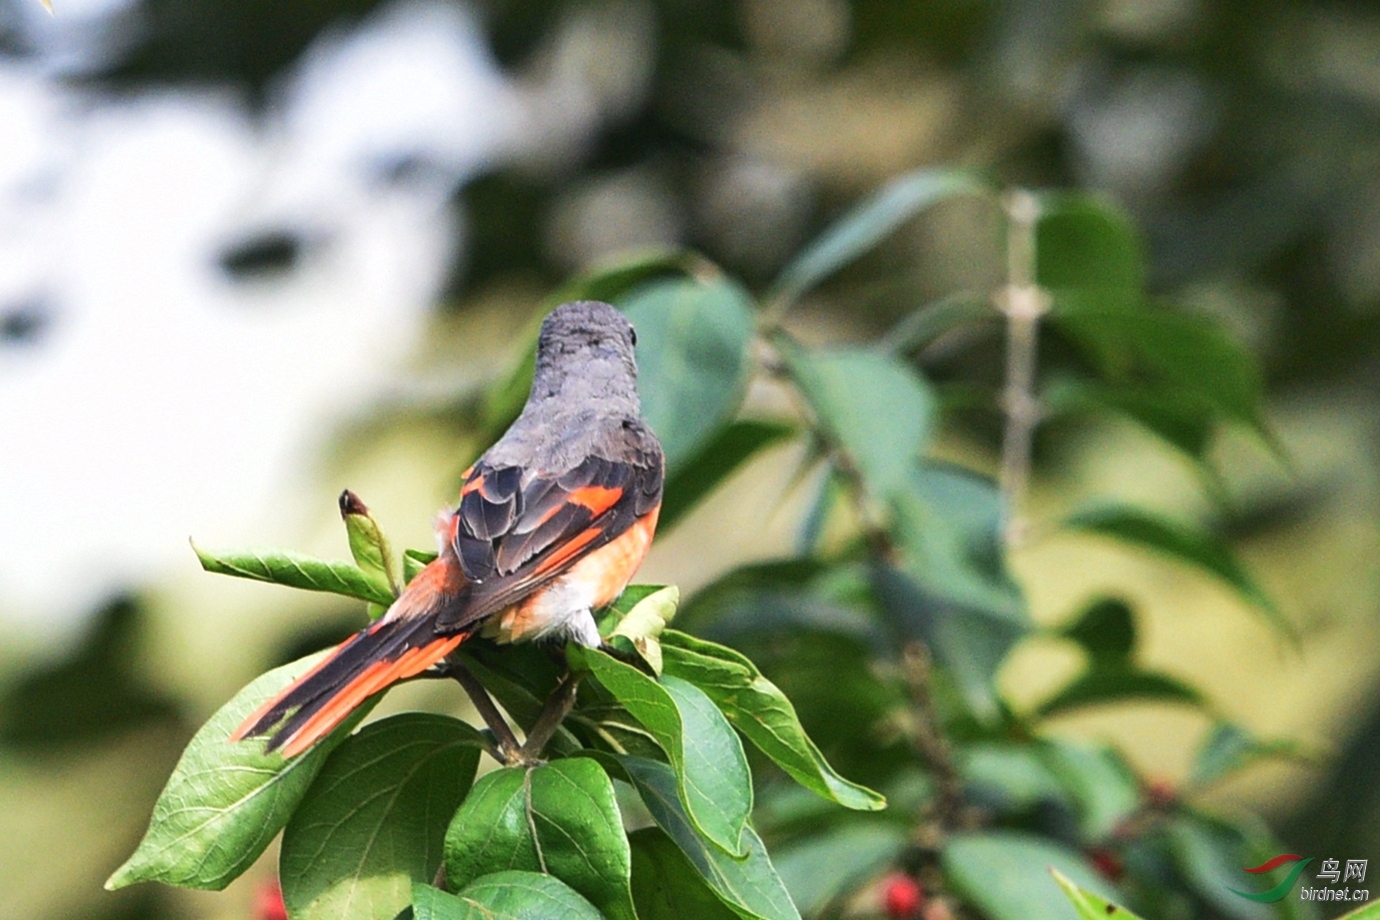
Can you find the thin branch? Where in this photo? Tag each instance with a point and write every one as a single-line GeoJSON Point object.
{"type": "Point", "coordinates": [558, 706]}
{"type": "Point", "coordinates": [509, 749]}
{"type": "Point", "coordinates": [949, 811]}
{"type": "Point", "coordinates": [1023, 302]}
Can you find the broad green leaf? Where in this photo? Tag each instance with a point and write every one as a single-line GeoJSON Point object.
{"type": "Point", "coordinates": [1182, 543]}
{"type": "Point", "coordinates": [1085, 241]}
{"type": "Point", "coordinates": [1185, 364]}
{"type": "Point", "coordinates": [504, 896]}
{"type": "Point", "coordinates": [1005, 874]}
{"type": "Point", "coordinates": [368, 545]}
{"type": "Point", "coordinates": [226, 800]}
{"type": "Point", "coordinates": [1210, 855]}
{"type": "Point", "coordinates": [758, 709]}
{"type": "Point", "coordinates": [1183, 419]}
{"type": "Point", "coordinates": [1369, 912]}
{"type": "Point", "coordinates": [1014, 777]}
{"type": "Point", "coordinates": [640, 628]}
{"type": "Point", "coordinates": [1088, 905]}
{"type": "Point", "coordinates": [373, 821]}
{"type": "Point", "coordinates": [868, 224]}
{"type": "Point", "coordinates": [713, 463]}
{"type": "Point", "coordinates": [1099, 686]}
{"type": "Point", "coordinates": [827, 866]}
{"type": "Point", "coordinates": [613, 614]}
{"type": "Point", "coordinates": [666, 886]}
{"type": "Point", "coordinates": [748, 884]}
{"type": "Point", "coordinates": [1229, 748]}
{"type": "Point", "coordinates": [952, 589]}
{"type": "Point", "coordinates": [559, 818]}
{"type": "Point", "coordinates": [414, 560]}
{"type": "Point", "coordinates": [1103, 789]}
{"type": "Point", "coordinates": [1107, 631]}
{"type": "Point", "coordinates": [710, 767]}
{"type": "Point", "coordinates": [692, 351]}
{"type": "Point", "coordinates": [297, 571]}
{"type": "Point", "coordinates": [873, 407]}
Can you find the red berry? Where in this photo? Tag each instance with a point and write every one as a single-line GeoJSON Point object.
{"type": "Point", "coordinates": [903, 896]}
{"type": "Point", "coordinates": [268, 902]}
{"type": "Point", "coordinates": [1161, 793]}
{"type": "Point", "coordinates": [1108, 864]}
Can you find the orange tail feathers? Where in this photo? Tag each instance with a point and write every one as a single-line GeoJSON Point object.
{"type": "Point", "coordinates": [399, 646]}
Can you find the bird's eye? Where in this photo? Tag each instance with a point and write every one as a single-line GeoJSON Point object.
{"type": "Point", "coordinates": [633, 333]}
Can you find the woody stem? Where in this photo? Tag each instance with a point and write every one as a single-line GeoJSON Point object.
{"type": "Point", "coordinates": [558, 706]}
{"type": "Point", "coordinates": [508, 747]}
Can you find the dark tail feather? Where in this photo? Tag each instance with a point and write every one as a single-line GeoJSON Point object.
{"type": "Point", "coordinates": [369, 661]}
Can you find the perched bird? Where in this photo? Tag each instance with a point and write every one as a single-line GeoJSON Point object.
{"type": "Point", "coordinates": [553, 521]}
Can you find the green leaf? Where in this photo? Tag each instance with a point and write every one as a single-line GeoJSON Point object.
{"type": "Point", "coordinates": [1181, 419]}
{"type": "Point", "coordinates": [713, 463]}
{"type": "Point", "coordinates": [1106, 630]}
{"type": "Point", "coordinates": [1229, 748]}
{"type": "Point", "coordinates": [1369, 912]}
{"type": "Point", "coordinates": [414, 560]}
{"type": "Point", "coordinates": [748, 884]}
{"type": "Point", "coordinates": [297, 571]}
{"type": "Point", "coordinates": [933, 320]}
{"type": "Point", "coordinates": [874, 408]}
{"type": "Point", "coordinates": [1188, 366]}
{"type": "Point", "coordinates": [1090, 906]}
{"type": "Point", "coordinates": [372, 822]}
{"type": "Point", "coordinates": [1187, 545]}
{"type": "Point", "coordinates": [1005, 874]}
{"type": "Point", "coordinates": [643, 624]}
{"type": "Point", "coordinates": [226, 800]}
{"type": "Point", "coordinates": [1103, 789]}
{"type": "Point", "coordinates": [664, 884]}
{"type": "Point", "coordinates": [559, 818]}
{"type": "Point", "coordinates": [758, 709]}
{"type": "Point", "coordinates": [868, 224]}
{"type": "Point", "coordinates": [1085, 241]}
{"type": "Point", "coordinates": [1014, 774]}
{"type": "Point", "coordinates": [368, 545]}
{"type": "Point", "coordinates": [711, 770]}
{"type": "Point", "coordinates": [1209, 855]}
{"type": "Point", "coordinates": [827, 866]}
{"type": "Point", "coordinates": [952, 589]}
{"type": "Point", "coordinates": [504, 896]}
{"type": "Point", "coordinates": [1099, 686]}
{"type": "Point", "coordinates": [692, 356]}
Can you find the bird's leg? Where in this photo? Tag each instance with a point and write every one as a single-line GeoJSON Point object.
{"type": "Point", "coordinates": [558, 706]}
{"type": "Point", "coordinates": [509, 751]}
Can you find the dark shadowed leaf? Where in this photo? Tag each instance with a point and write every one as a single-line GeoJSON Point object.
{"type": "Point", "coordinates": [226, 800]}
{"type": "Point", "coordinates": [504, 896]}
{"type": "Point", "coordinates": [373, 820]}
{"type": "Point", "coordinates": [829, 865]}
{"type": "Point", "coordinates": [952, 589]}
{"type": "Point", "coordinates": [1101, 686]}
{"type": "Point", "coordinates": [1106, 630]}
{"type": "Point", "coordinates": [1085, 241]}
{"type": "Point", "coordinates": [1097, 780]}
{"type": "Point", "coordinates": [1182, 543]}
{"type": "Point", "coordinates": [710, 767]}
{"type": "Point", "coordinates": [758, 709]}
{"type": "Point", "coordinates": [1182, 419]}
{"type": "Point", "coordinates": [1088, 905]}
{"type": "Point", "coordinates": [873, 406]}
{"type": "Point", "coordinates": [559, 818]}
{"type": "Point", "coordinates": [713, 463]}
{"type": "Point", "coordinates": [1005, 874]}
{"type": "Point", "coordinates": [748, 884]}
{"type": "Point", "coordinates": [298, 571]}
{"type": "Point", "coordinates": [665, 886]}
{"type": "Point", "coordinates": [1229, 748]}
{"type": "Point", "coordinates": [868, 224]}
{"type": "Point", "coordinates": [692, 350]}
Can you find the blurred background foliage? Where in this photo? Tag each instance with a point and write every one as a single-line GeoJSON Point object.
{"type": "Point", "coordinates": [1224, 154]}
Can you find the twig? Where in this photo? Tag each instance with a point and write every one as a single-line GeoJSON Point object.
{"type": "Point", "coordinates": [508, 748]}
{"type": "Point", "coordinates": [1023, 302]}
{"type": "Point", "coordinates": [949, 811]}
{"type": "Point", "coordinates": [558, 706]}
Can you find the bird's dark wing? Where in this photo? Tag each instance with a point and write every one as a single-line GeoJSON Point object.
{"type": "Point", "coordinates": [513, 538]}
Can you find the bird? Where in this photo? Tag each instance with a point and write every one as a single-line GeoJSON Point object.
{"type": "Point", "coordinates": [553, 521]}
